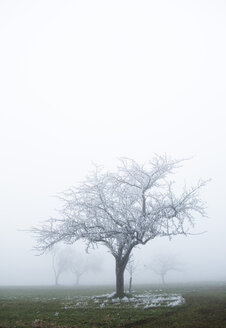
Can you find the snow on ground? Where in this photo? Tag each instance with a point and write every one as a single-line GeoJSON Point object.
{"type": "Point", "coordinates": [146, 300]}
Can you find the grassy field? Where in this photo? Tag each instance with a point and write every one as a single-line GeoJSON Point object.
{"type": "Point", "coordinates": [203, 306]}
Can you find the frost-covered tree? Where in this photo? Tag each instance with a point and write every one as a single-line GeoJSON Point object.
{"type": "Point", "coordinates": [123, 209]}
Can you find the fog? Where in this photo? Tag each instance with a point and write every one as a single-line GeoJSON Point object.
{"type": "Point", "coordinates": [86, 82]}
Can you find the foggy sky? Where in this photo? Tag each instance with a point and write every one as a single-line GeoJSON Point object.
{"type": "Point", "coordinates": [91, 81]}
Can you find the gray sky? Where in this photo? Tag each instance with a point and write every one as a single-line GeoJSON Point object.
{"type": "Point", "coordinates": [91, 81]}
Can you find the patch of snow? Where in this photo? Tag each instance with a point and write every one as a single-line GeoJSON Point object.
{"type": "Point", "coordinates": [104, 295]}
{"type": "Point", "coordinates": [146, 300]}
{"type": "Point", "coordinates": [125, 299]}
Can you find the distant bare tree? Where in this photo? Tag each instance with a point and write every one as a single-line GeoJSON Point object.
{"type": "Point", "coordinates": [70, 260]}
{"type": "Point", "coordinates": [162, 264]}
{"type": "Point", "coordinates": [60, 263]}
{"type": "Point", "coordinates": [56, 274]}
{"type": "Point", "coordinates": [79, 263]}
{"type": "Point", "coordinates": [78, 269]}
{"type": "Point", "coordinates": [131, 268]}
{"type": "Point", "coordinates": [124, 209]}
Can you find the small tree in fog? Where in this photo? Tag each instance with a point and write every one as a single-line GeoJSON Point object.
{"type": "Point", "coordinates": [131, 268]}
{"type": "Point", "coordinates": [78, 269]}
{"type": "Point", "coordinates": [79, 264]}
{"type": "Point", "coordinates": [60, 264]}
{"type": "Point", "coordinates": [162, 264]}
{"type": "Point", "coordinates": [123, 209]}
{"type": "Point", "coordinates": [69, 260]}
{"type": "Point", "coordinates": [54, 267]}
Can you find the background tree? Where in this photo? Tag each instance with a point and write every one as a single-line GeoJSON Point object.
{"type": "Point", "coordinates": [70, 260]}
{"type": "Point", "coordinates": [123, 209]}
{"type": "Point", "coordinates": [131, 268]}
{"type": "Point", "coordinates": [81, 263]}
{"type": "Point", "coordinates": [79, 268]}
{"type": "Point", "coordinates": [60, 263]}
{"type": "Point", "coordinates": [162, 264]}
{"type": "Point", "coordinates": [53, 255]}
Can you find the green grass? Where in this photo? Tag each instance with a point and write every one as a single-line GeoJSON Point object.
{"type": "Point", "coordinates": [204, 307]}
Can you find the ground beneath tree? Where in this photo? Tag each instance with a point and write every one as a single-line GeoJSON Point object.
{"type": "Point", "coordinates": [145, 300]}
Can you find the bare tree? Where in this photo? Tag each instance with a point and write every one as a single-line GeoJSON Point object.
{"type": "Point", "coordinates": [79, 263]}
{"type": "Point", "coordinates": [162, 264]}
{"type": "Point", "coordinates": [60, 263]}
{"type": "Point", "coordinates": [56, 273]}
{"type": "Point", "coordinates": [131, 267]}
{"type": "Point", "coordinates": [78, 269]}
{"type": "Point", "coordinates": [122, 210]}
{"type": "Point", "coordinates": [70, 260]}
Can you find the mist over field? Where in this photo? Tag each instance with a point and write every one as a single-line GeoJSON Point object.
{"type": "Point", "coordinates": [94, 81]}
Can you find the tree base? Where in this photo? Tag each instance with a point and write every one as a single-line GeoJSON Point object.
{"type": "Point", "coordinates": [128, 295]}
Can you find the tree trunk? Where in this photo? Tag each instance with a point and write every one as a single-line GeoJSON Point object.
{"type": "Point", "coordinates": [54, 270]}
{"type": "Point", "coordinates": [119, 280]}
{"type": "Point", "coordinates": [57, 276]}
{"type": "Point", "coordinates": [163, 279]}
{"type": "Point", "coordinates": [77, 279]}
{"type": "Point", "coordinates": [119, 270]}
{"type": "Point", "coordinates": [130, 284]}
